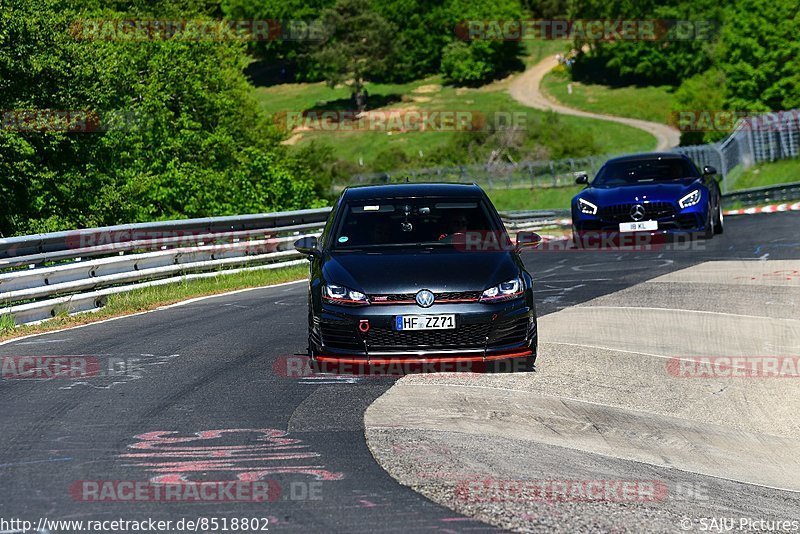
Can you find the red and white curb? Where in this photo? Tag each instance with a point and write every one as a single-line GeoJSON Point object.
{"type": "Point", "coordinates": [772, 208]}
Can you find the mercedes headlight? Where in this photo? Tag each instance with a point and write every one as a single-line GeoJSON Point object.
{"type": "Point", "coordinates": [342, 295]}
{"type": "Point", "coordinates": [587, 207]}
{"type": "Point", "coordinates": [690, 200]}
{"type": "Point", "coordinates": [505, 291]}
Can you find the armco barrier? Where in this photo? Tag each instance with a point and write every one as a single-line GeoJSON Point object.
{"type": "Point", "coordinates": [42, 275]}
{"type": "Point", "coordinates": [46, 274]}
{"type": "Point", "coordinates": [764, 195]}
{"type": "Point", "coordinates": [62, 241]}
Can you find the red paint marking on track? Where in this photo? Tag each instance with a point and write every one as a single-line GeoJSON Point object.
{"type": "Point", "coordinates": [247, 462]}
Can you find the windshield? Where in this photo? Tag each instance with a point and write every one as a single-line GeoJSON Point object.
{"type": "Point", "coordinates": [644, 171]}
{"type": "Point", "coordinates": [409, 222]}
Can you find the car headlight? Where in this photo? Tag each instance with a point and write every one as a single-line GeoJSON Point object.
{"type": "Point", "coordinates": [690, 200]}
{"type": "Point", "coordinates": [505, 291]}
{"type": "Point", "coordinates": [342, 295]}
{"type": "Point", "coordinates": [587, 207]}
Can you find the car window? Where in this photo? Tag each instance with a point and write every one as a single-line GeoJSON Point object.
{"type": "Point", "coordinates": [405, 222]}
{"type": "Point", "coordinates": [644, 171]}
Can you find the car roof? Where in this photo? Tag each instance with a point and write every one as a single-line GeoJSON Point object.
{"type": "Point", "coordinates": [644, 156]}
{"type": "Point", "coordinates": [450, 190]}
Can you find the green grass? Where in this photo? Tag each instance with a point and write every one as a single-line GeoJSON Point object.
{"type": "Point", "coordinates": [152, 297]}
{"type": "Point", "coordinates": [533, 199]}
{"type": "Point", "coordinates": [764, 174]}
{"type": "Point", "coordinates": [429, 95]}
{"type": "Point", "coordinates": [646, 103]}
{"type": "Point", "coordinates": [7, 322]}
{"type": "Point", "coordinates": [303, 96]}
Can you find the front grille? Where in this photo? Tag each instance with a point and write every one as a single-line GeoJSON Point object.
{"type": "Point", "coordinates": [440, 297]}
{"type": "Point", "coordinates": [688, 221]}
{"type": "Point", "coordinates": [345, 336]}
{"type": "Point", "coordinates": [340, 335]}
{"type": "Point", "coordinates": [622, 212]}
{"type": "Point", "coordinates": [465, 336]}
{"type": "Point", "coordinates": [514, 331]}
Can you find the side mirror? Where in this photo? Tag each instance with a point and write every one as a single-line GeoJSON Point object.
{"type": "Point", "coordinates": [582, 178]}
{"type": "Point", "coordinates": [709, 170]}
{"type": "Point", "coordinates": [307, 246]}
{"type": "Point", "coordinates": [528, 239]}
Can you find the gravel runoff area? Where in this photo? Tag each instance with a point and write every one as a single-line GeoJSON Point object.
{"type": "Point", "coordinates": [618, 398]}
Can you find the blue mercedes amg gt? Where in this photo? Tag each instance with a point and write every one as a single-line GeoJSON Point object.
{"type": "Point", "coordinates": [651, 194]}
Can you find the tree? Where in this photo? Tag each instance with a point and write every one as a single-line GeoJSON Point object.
{"type": "Point", "coordinates": [481, 60]}
{"type": "Point", "coordinates": [359, 48]}
{"type": "Point", "coordinates": [760, 55]}
{"type": "Point", "coordinates": [190, 143]}
{"type": "Point", "coordinates": [285, 58]}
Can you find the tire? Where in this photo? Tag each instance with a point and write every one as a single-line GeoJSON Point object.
{"type": "Point", "coordinates": [710, 231]}
{"type": "Point", "coordinates": [527, 365]}
{"type": "Point", "coordinates": [720, 219]}
{"type": "Point", "coordinates": [576, 241]}
{"type": "Point", "coordinates": [519, 365]}
{"type": "Point", "coordinates": [313, 350]}
{"type": "Point", "coordinates": [516, 365]}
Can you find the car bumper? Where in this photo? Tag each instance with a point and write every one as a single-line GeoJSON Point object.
{"type": "Point", "coordinates": [484, 332]}
{"type": "Point", "coordinates": [682, 223]}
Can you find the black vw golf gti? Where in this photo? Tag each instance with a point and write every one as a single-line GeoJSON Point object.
{"type": "Point", "coordinates": [422, 273]}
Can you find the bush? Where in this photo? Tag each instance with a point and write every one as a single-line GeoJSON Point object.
{"type": "Point", "coordinates": [464, 64]}
{"type": "Point", "coordinates": [199, 146]}
{"type": "Point", "coordinates": [756, 48]}
{"type": "Point", "coordinates": [423, 29]}
{"type": "Point", "coordinates": [702, 92]}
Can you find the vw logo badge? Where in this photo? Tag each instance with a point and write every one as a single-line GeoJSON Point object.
{"type": "Point", "coordinates": [425, 298]}
{"type": "Point", "coordinates": [638, 212]}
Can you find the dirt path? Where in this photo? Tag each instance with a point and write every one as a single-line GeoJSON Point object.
{"type": "Point", "coordinates": [526, 90]}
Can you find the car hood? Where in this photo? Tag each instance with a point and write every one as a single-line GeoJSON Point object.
{"type": "Point", "coordinates": [388, 272]}
{"type": "Point", "coordinates": [662, 192]}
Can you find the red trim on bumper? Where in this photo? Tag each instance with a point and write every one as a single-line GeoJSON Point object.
{"type": "Point", "coordinates": [416, 359]}
{"type": "Point", "coordinates": [440, 301]}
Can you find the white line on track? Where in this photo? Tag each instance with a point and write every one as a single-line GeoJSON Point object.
{"type": "Point", "coordinates": [183, 303]}
{"type": "Point", "coordinates": [681, 311]}
{"type": "Point", "coordinates": [662, 356]}
{"type": "Point", "coordinates": [45, 341]}
{"type": "Point", "coordinates": [611, 349]}
{"type": "Point", "coordinates": [546, 281]}
{"type": "Point", "coordinates": [648, 464]}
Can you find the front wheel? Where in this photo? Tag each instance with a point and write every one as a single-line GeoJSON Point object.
{"type": "Point", "coordinates": [710, 217]}
{"type": "Point", "coordinates": [720, 219]}
{"type": "Point", "coordinates": [313, 351]}
{"type": "Point", "coordinates": [576, 239]}
{"type": "Point", "coordinates": [515, 365]}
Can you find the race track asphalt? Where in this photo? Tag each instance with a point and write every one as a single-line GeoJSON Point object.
{"type": "Point", "coordinates": [220, 364]}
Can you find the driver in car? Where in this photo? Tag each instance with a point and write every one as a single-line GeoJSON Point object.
{"type": "Point", "coordinates": [456, 224]}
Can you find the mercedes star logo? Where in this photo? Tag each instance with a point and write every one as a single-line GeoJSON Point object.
{"type": "Point", "coordinates": [425, 298]}
{"type": "Point", "coordinates": [638, 212]}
